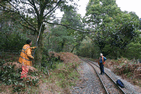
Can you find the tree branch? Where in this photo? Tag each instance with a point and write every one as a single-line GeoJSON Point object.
{"type": "Point", "coordinates": [43, 7]}
{"type": "Point", "coordinates": [67, 26]}
{"type": "Point", "coordinates": [52, 9]}
{"type": "Point", "coordinates": [19, 15]}
{"type": "Point", "coordinates": [26, 3]}
{"type": "Point", "coordinates": [35, 8]}
{"type": "Point", "coordinates": [28, 27]}
{"type": "Point", "coordinates": [31, 28]}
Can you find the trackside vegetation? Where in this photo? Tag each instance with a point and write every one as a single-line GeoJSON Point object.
{"type": "Point", "coordinates": [104, 29]}
{"type": "Point", "coordinates": [61, 75]}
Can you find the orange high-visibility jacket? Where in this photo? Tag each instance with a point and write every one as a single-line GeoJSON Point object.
{"type": "Point", "coordinates": [26, 55]}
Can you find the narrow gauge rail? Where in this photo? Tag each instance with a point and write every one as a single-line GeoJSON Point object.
{"type": "Point", "coordinates": [108, 83]}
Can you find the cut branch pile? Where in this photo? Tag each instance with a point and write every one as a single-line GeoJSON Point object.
{"type": "Point", "coordinates": [66, 57]}
{"type": "Point", "coordinates": [19, 66]}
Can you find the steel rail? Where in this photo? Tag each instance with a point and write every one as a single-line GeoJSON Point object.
{"type": "Point", "coordinates": [99, 78]}
{"type": "Point", "coordinates": [109, 78]}
{"type": "Point", "coordinates": [88, 61]}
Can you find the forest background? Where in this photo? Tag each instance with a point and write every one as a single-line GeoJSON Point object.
{"type": "Point", "coordinates": [104, 28]}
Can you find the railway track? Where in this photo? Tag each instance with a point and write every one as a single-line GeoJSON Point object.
{"type": "Point", "coordinates": [108, 84]}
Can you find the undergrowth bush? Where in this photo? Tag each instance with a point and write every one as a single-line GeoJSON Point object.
{"type": "Point", "coordinates": [12, 41]}
{"type": "Point", "coordinates": [128, 69]}
{"type": "Point", "coordinates": [9, 56]}
{"type": "Point", "coordinates": [9, 75]}
{"type": "Point", "coordinates": [60, 70]}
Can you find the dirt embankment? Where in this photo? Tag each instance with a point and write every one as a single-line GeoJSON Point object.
{"type": "Point", "coordinates": [44, 88]}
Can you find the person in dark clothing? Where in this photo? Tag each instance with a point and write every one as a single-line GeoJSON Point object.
{"type": "Point", "coordinates": [101, 63]}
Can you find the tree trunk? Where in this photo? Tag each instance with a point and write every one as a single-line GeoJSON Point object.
{"type": "Point", "coordinates": [38, 54]}
{"type": "Point", "coordinates": [62, 45]}
{"type": "Point", "coordinates": [39, 51]}
{"type": "Point", "coordinates": [72, 49]}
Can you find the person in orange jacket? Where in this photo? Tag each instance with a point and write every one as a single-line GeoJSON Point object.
{"type": "Point", "coordinates": [26, 56]}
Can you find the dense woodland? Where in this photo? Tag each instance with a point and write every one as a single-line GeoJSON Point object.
{"type": "Point", "coordinates": [104, 28]}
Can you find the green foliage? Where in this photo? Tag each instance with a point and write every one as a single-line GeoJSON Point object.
{"type": "Point", "coordinates": [35, 16]}
{"type": "Point", "coordinates": [59, 38]}
{"type": "Point", "coordinates": [9, 56]}
{"type": "Point", "coordinates": [65, 39]}
{"type": "Point", "coordinates": [129, 74]}
{"type": "Point", "coordinates": [111, 29]}
{"type": "Point", "coordinates": [88, 49]}
{"type": "Point", "coordinates": [9, 75]}
{"type": "Point", "coordinates": [140, 24]}
{"type": "Point", "coordinates": [133, 51]}
{"type": "Point", "coordinates": [48, 62]}
{"type": "Point", "coordinates": [12, 35]}
{"type": "Point", "coordinates": [85, 50]}
{"type": "Point", "coordinates": [13, 41]}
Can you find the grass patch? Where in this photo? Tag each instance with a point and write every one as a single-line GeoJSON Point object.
{"type": "Point", "coordinates": [64, 75]}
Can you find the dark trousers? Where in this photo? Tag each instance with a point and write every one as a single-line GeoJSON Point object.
{"type": "Point", "coordinates": [101, 68]}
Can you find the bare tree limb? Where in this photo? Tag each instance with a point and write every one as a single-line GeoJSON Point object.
{"type": "Point", "coordinates": [19, 15]}
{"type": "Point", "coordinates": [26, 3]}
{"type": "Point", "coordinates": [30, 5]}
{"type": "Point", "coordinates": [43, 7]}
{"type": "Point", "coordinates": [27, 27]}
{"type": "Point", "coordinates": [31, 28]}
{"type": "Point", "coordinates": [67, 26]}
{"type": "Point", "coordinates": [52, 9]}
{"type": "Point", "coordinates": [35, 8]}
